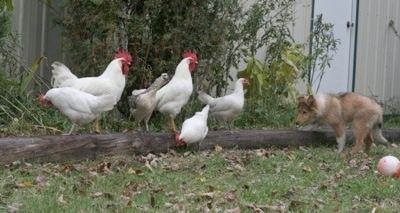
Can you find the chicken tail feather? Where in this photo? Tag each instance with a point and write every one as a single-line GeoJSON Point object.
{"type": "Point", "coordinates": [61, 75]}
{"type": "Point", "coordinates": [204, 97]}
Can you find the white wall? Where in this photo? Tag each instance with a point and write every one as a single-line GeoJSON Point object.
{"type": "Point", "coordinates": [378, 50]}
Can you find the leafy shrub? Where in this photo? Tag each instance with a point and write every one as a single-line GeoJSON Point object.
{"type": "Point", "coordinates": [157, 32]}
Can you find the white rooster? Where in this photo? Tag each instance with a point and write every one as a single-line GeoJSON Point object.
{"type": "Point", "coordinates": [194, 129]}
{"type": "Point", "coordinates": [80, 107]}
{"type": "Point", "coordinates": [62, 75]}
{"type": "Point", "coordinates": [111, 81]}
{"type": "Point", "coordinates": [142, 103]}
{"type": "Point", "coordinates": [226, 107]}
{"type": "Point", "coordinates": [174, 95]}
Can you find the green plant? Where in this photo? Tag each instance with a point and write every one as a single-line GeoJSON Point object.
{"type": "Point", "coordinates": [323, 45]}
{"type": "Point", "coordinates": [272, 94]}
{"type": "Point", "coordinates": [19, 112]}
{"type": "Point", "coordinates": [9, 61]}
{"type": "Point", "coordinates": [275, 79]}
{"type": "Point", "coordinates": [6, 5]}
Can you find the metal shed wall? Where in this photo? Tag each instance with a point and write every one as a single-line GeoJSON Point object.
{"type": "Point", "coordinates": [39, 37]}
{"type": "Point", "coordinates": [378, 50]}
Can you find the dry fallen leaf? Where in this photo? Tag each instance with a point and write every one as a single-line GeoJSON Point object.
{"type": "Point", "coordinates": [230, 196]}
{"type": "Point", "coordinates": [209, 195]}
{"type": "Point", "coordinates": [353, 163]}
{"type": "Point", "coordinates": [297, 205]}
{"type": "Point", "coordinates": [97, 194]}
{"type": "Point", "coordinates": [320, 201]}
{"type": "Point", "coordinates": [307, 169]}
{"type": "Point", "coordinates": [41, 181]}
{"type": "Point", "coordinates": [147, 164]}
{"type": "Point", "coordinates": [263, 208]}
{"type": "Point", "coordinates": [278, 169]}
{"type": "Point", "coordinates": [93, 174]}
{"type": "Point", "coordinates": [61, 199]}
{"type": "Point", "coordinates": [342, 156]}
{"type": "Point", "coordinates": [24, 184]}
{"type": "Point", "coordinates": [364, 168]}
{"type": "Point", "coordinates": [219, 149]}
{"type": "Point", "coordinates": [149, 157]}
{"type": "Point", "coordinates": [168, 205]}
{"type": "Point", "coordinates": [235, 210]}
{"type": "Point", "coordinates": [13, 207]}
{"type": "Point", "coordinates": [200, 177]}
{"type": "Point", "coordinates": [153, 163]}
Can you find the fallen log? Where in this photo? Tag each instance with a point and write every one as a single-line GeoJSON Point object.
{"type": "Point", "coordinates": [88, 146]}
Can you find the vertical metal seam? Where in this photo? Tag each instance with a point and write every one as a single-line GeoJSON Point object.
{"type": "Point", "coordinates": [355, 47]}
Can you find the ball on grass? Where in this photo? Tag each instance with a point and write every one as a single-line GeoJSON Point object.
{"type": "Point", "coordinates": [389, 166]}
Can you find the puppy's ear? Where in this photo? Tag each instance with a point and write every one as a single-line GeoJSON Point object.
{"type": "Point", "coordinates": [301, 99]}
{"type": "Point", "coordinates": [311, 100]}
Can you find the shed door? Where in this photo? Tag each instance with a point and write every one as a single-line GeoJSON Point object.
{"type": "Point", "coordinates": [342, 13]}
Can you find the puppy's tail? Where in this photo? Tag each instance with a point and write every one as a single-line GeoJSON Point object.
{"type": "Point", "coordinates": [377, 132]}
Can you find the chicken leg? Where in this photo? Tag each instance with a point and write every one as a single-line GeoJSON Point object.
{"type": "Point", "coordinates": [172, 124]}
{"type": "Point", "coordinates": [96, 126]}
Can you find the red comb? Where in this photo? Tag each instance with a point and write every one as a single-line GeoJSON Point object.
{"type": "Point", "coordinates": [41, 98]}
{"type": "Point", "coordinates": [43, 101]}
{"type": "Point", "coordinates": [177, 137]}
{"type": "Point", "coordinates": [191, 54]}
{"type": "Point", "coordinates": [123, 54]}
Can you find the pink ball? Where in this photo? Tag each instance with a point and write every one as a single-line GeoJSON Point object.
{"type": "Point", "coordinates": [389, 166]}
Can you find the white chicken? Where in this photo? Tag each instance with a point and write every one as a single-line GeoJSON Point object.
{"type": "Point", "coordinates": [142, 103]}
{"type": "Point", "coordinates": [174, 95]}
{"type": "Point", "coordinates": [80, 107]}
{"type": "Point", "coordinates": [194, 129]}
{"type": "Point", "coordinates": [227, 107]}
{"type": "Point", "coordinates": [112, 80]}
{"type": "Point", "coordinates": [62, 75]}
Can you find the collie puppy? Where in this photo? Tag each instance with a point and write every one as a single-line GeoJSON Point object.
{"type": "Point", "coordinates": [336, 110]}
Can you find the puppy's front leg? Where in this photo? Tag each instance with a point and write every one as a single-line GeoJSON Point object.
{"type": "Point", "coordinates": [341, 142]}
{"type": "Point", "coordinates": [340, 136]}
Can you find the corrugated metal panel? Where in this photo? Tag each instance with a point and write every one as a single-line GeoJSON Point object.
{"type": "Point", "coordinates": [28, 21]}
{"type": "Point", "coordinates": [378, 50]}
{"type": "Point", "coordinates": [39, 37]}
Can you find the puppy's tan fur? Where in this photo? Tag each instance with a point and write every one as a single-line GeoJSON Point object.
{"type": "Point", "coordinates": [336, 110]}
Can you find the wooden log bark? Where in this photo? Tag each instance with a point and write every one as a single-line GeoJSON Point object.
{"type": "Point", "coordinates": [88, 146]}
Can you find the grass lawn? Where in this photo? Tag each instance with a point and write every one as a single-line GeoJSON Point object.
{"type": "Point", "coordinates": [304, 179]}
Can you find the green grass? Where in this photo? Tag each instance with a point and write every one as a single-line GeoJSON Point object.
{"type": "Point", "coordinates": [292, 179]}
